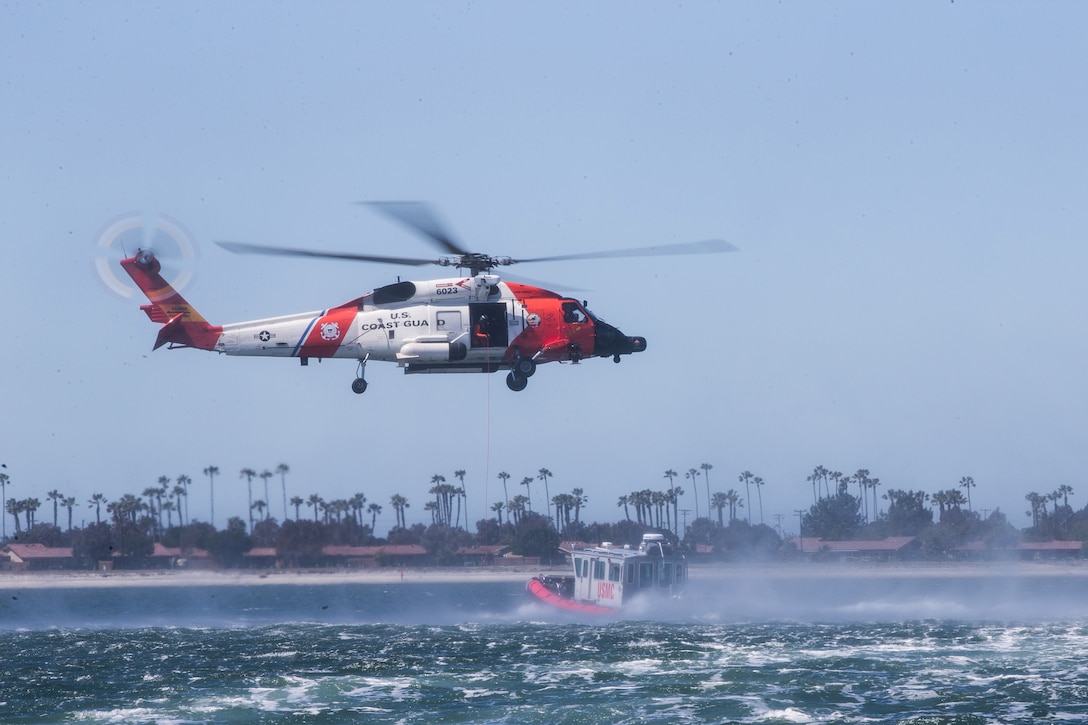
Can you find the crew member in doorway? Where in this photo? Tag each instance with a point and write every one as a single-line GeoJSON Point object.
{"type": "Point", "coordinates": [480, 337]}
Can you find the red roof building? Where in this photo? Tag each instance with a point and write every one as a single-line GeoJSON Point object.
{"type": "Point", "coordinates": [36, 557]}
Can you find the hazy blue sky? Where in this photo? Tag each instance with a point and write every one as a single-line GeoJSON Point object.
{"type": "Point", "coordinates": [906, 183]}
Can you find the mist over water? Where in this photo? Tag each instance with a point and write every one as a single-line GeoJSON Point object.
{"type": "Point", "coordinates": [746, 647]}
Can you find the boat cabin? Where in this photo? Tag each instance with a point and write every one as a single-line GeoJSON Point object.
{"type": "Point", "coordinates": [611, 576]}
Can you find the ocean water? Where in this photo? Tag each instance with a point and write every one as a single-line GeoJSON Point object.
{"type": "Point", "coordinates": [749, 649]}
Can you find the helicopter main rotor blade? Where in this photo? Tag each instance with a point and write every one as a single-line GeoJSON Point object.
{"type": "Point", "coordinates": [421, 218]}
{"type": "Point", "coordinates": [709, 246]}
{"type": "Point", "coordinates": [244, 248]}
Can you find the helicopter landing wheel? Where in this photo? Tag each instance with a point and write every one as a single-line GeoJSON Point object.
{"type": "Point", "coordinates": [516, 382]}
{"type": "Point", "coordinates": [615, 358]}
{"type": "Point", "coordinates": [358, 386]}
{"type": "Point", "coordinates": [525, 367]}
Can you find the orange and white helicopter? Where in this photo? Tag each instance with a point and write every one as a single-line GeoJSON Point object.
{"type": "Point", "coordinates": [466, 324]}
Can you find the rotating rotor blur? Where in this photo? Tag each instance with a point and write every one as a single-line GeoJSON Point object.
{"type": "Point", "coordinates": [123, 236]}
{"type": "Point", "coordinates": [421, 218]}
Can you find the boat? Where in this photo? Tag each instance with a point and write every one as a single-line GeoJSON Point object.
{"type": "Point", "coordinates": [607, 578]}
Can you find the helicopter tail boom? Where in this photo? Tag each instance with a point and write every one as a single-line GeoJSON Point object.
{"type": "Point", "coordinates": [182, 325]}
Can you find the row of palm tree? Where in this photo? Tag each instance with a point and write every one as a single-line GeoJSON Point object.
{"type": "Point", "coordinates": [171, 495]}
{"type": "Point", "coordinates": [1038, 510]}
{"type": "Point", "coordinates": [660, 509]}
{"type": "Point", "coordinates": [821, 476]}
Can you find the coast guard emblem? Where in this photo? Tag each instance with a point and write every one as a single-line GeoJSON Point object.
{"type": "Point", "coordinates": [330, 331]}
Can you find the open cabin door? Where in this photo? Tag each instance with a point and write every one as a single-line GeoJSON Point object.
{"type": "Point", "coordinates": [487, 322]}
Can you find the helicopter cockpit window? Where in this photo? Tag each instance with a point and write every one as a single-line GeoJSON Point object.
{"type": "Point", "coordinates": [572, 312]}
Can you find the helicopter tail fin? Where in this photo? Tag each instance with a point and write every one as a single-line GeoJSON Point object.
{"type": "Point", "coordinates": [182, 325]}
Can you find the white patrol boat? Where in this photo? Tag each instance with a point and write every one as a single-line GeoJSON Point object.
{"type": "Point", "coordinates": [608, 577]}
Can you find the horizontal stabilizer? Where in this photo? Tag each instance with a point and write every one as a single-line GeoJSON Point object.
{"type": "Point", "coordinates": [155, 313]}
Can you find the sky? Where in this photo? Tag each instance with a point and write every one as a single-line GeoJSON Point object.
{"type": "Point", "coordinates": [905, 183]}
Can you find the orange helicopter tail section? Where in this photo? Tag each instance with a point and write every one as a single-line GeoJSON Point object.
{"type": "Point", "coordinates": [181, 324]}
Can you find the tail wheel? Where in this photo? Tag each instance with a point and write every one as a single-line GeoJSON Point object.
{"type": "Point", "coordinates": [358, 386]}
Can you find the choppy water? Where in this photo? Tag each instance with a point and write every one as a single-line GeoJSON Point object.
{"type": "Point", "coordinates": [752, 651]}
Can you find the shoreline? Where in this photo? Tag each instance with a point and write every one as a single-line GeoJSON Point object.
{"type": "Point", "coordinates": [308, 577]}
{"type": "Point", "coordinates": [443, 575]}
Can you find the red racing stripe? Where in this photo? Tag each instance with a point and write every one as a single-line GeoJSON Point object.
{"type": "Point", "coordinates": [326, 335]}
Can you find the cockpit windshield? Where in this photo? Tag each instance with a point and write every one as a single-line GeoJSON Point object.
{"type": "Point", "coordinates": [574, 312]}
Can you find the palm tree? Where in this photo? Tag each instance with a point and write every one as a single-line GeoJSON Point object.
{"type": "Point", "coordinates": [622, 503]}
{"type": "Point", "coordinates": [504, 476]}
{"type": "Point", "coordinates": [746, 479]}
{"type": "Point", "coordinates": [516, 507]}
{"type": "Point", "coordinates": [399, 504]}
{"type": "Point", "coordinates": [580, 500]}
{"type": "Point", "coordinates": [821, 474]}
{"type": "Point", "coordinates": [297, 502]}
{"type": "Point", "coordinates": [315, 501]}
{"type": "Point", "coordinates": [374, 510]}
{"type": "Point", "coordinates": [283, 470]}
{"type": "Point", "coordinates": [861, 478]}
{"type": "Point", "coordinates": [184, 481]}
{"type": "Point", "coordinates": [759, 490]}
{"type": "Point", "coordinates": [459, 474]}
{"type": "Point", "coordinates": [68, 503]}
{"type": "Point", "coordinates": [150, 493]}
{"type": "Point", "coordinates": [211, 472]}
{"type": "Point", "coordinates": [356, 503]}
{"type": "Point", "coordinates": [706, 477]}
{"type": "Point", "coordinates": [56, 497]}
{"type": "Point", "coordinates": [967, 483]}
{"type": "Point", "coordinates": [4, 480]}
{"type": "Point", "coordinates": [836, 476]}
{"type": "Point", "coordinates": [497, 507]}
{"type": "Point", "coordinates": [97, 500]}
{"type": "Point", "coordinates": [1066, 491]}
{"type": "Point", "coordinates": [718, 502]}
{"type": "Point", "coordinates": [734, 501]}
{"type": "Point", "coordinates": [265, 475]}
{"type": "Point", "coordinates": [248, 474]}
{"type": "Point", "coordinates": [159, 493]}
{"type": "Point", "coordinates": [1033, 498]}
{"type": "Point", "coordinates": [181, 497]}
{"type": "Point", "coordinates": [693, 474]}
{"type": "Point", "coordinates": [527, 482]}
{"type": "Point", "coordinates": [260, 506]}
{"type": "Point", "coordinates": [873, 483]}
{"type": "Point", "coordinates": [544, 474]}
{"type": "Point", "coordinates": [438, 490]}
{"type": "Point", "coordinates": [30, 506]}
{"type": "Point", "coordinates": [14, 508]}
{"type": "Point", "coordinates": [169, 507]}
{"type": "Point", "coordinates": [675, 492]}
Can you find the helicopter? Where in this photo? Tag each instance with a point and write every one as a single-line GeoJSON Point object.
{"type": "Point", "coordinates": [473, 323]}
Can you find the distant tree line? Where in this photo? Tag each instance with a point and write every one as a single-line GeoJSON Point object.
{"type": "Point", "coordinates": [844, 507]}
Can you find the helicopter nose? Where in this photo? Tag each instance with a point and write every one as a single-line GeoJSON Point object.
{"type": "Point", "coordinates": [610, 342]}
